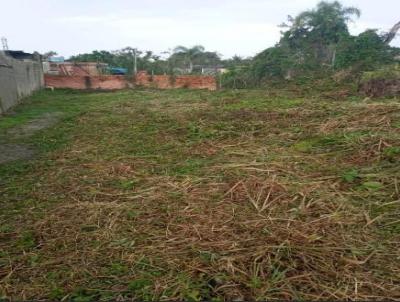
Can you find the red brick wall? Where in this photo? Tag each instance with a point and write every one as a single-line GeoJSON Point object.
{"type": "Point", "coordinates": [168, 82]}
{"type": "Point", "coordinates": [112, 82]}
{"type": "Point", "coordinates": [86, 82]}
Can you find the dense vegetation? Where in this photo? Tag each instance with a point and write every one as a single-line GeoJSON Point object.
{"type": "Point", "coordinates": [314, 44]}
{"type": "Point", "coordinates": [179, 60]}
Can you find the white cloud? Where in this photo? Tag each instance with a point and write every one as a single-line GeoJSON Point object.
{"type": "Point", "coordinates": [228, 26]}
{"type": "Point", "coordinates": [161, 33]}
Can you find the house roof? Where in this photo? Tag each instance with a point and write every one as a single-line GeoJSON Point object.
{"type": "Point", "coordinates": [19, 54]}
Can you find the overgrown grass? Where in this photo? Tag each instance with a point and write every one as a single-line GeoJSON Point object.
{"type": "Point", "coordinates": [195, 195]}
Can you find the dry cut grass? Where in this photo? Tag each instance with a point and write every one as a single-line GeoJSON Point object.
{"type": "Point", "coordinates": [207, 196]}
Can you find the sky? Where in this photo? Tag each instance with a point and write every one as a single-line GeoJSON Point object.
{"type": "Point", "coordinates": [235, 27]}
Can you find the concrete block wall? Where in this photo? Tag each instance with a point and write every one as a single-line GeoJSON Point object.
{"type": "Point", "coordinates": [18, 79]}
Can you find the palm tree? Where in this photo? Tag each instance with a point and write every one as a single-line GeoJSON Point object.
{"type": "Point", "coordinates": [188, 54]}
{"type": "Point", "coordinates": [320, 30]}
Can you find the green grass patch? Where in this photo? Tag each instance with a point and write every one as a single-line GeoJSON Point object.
{"type": "Point", "coordinates": [197, 195]}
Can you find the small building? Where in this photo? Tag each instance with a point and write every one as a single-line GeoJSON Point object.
{"type": "Point", "coordinates": [75, 68]}
{"type": "Point", "coordinates": [56, 59]}
{"type": "Point", "coordinates": [21, 55]}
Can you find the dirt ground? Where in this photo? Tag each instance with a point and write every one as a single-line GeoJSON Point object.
{"type": "Point", "coordinates": [44, 121]}
{"type": "Point", "coordinates": [12, 151]}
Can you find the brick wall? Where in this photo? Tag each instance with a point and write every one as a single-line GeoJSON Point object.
{"type": "Point", "coordinates": [169, 82]}
{"type": "Point", "coordinates": [113, 82]}
{"type": "Point", "coordinates": [86, 82]}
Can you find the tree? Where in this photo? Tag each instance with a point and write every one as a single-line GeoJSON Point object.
{"type": "Point", "coordinates": [49, 54]}
{"type": "Point", "coordinates": [309, 42]}
{"type": "Point", "coordinates": [273, 62]}
{"type": "Point", "coordinates": [207, 58]}
{"type": "Point", "coordinates": [237, 62]}
{"type": "Point", "coordinates": [187, 55]}
{"type": "Point", "coordinates": [314, 34]}
{"type": "Point", "coordinates": [392, 33]}
{"type": "Point", "coordinates": [316, 43]}
{"type": "Point", "coordinates": [364, 52]}
{"type": "Point", "coordinates": [146, 60]}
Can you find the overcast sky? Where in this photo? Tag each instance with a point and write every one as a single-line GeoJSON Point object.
{"type": "Point", "coordinates": [242, 27]}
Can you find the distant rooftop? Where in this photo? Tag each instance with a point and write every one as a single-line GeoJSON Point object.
{"type": "Point", "coordinates": [19, 54]}
{"type": "Point", "coordinates": [56, 59]}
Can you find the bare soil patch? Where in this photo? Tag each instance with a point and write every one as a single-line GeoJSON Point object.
{"type": "Point", "coordinates": [28, 129]}
{"type": "Point", "coordinates": [11, 152]}
{"type": "Point", "coordinates": [17, 151]}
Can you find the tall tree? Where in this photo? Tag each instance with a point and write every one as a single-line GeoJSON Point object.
{"type": "Point", "coordinates": [309, 41]}
{"type": "Point", "coordinates": [314, 34]}
{"type": "Point", "coordinates": [187, 54]}
{"type": "Point", "coordinates": [364, 52]}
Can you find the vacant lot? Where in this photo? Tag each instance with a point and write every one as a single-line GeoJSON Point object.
{"type": "Point", "coordinates": [161, 195]}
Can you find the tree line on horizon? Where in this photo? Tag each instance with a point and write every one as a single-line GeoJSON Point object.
{"type": "Point", "coordinates": [315, 43]}
{"type": "Point", "coordinates": [181, 59]}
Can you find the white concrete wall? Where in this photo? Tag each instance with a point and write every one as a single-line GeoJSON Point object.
{"type": "Point", "coordinates": [18, 79]}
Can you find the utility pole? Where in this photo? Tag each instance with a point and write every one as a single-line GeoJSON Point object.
{"type": "Point", "coordinates": [134, 61]}
{"type": "Point", "coordinates": [4, 42]}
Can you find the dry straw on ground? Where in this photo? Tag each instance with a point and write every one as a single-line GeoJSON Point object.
{"type": "Point", "coordinates": [255, 198]}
